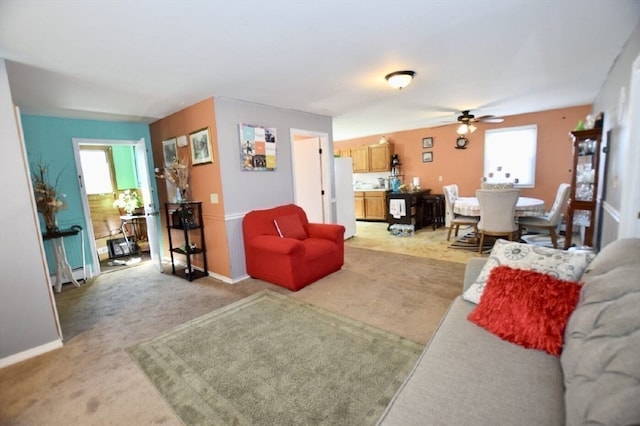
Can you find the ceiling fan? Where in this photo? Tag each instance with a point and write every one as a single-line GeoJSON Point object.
{"type": "Point", "coordinates": [466, 120]}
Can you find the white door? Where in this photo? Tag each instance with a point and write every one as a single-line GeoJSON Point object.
{"type": "Point", "coordinates": [150, 209]}
{"type": "Point", "coordinates": [307, 177]}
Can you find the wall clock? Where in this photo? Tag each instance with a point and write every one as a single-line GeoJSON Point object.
{"type": "Point", "coordinates": [461, 142]}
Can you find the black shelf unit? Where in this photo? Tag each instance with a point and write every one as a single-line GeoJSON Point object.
{"type": "Point", "coordinates": [186, 217]}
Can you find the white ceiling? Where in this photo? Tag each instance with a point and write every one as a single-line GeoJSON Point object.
{"type": "Point", "coordinates": [142, 60]}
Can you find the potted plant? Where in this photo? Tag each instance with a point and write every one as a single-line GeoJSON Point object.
{"type": "Point", "coordinates": [129, 201]}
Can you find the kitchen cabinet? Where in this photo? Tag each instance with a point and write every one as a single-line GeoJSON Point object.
{"type": "Point", "coordinates": [380, 157]}
{"type": "Point", "coordinates": [360, 157]}
{"type": "Point", "coordinates": [583, 198]}
{"type": "Point", "coordinates": [343, 152]}
{"type": "Point", "coordinates": [371, 158]}
{"type": "Point", "coordinates": [370, 205]}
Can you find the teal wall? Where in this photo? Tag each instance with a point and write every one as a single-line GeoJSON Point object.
{"type": "Point", "coordinates": [49, 140]}
{"type": "Point", "coordinates": [124, 162]}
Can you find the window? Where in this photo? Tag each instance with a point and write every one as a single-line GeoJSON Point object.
{"type": "Point", "coordinates": [97, 169]}
{"type": "Point", "coordinates": [510, 154]}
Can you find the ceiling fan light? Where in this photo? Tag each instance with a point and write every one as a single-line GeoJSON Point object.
{"type": "Point", "coordinates": [472, 128]}
{"type": "Point", "coordinates": [462, 129]}
{"type": "Point", "coordinates": [400, 79]}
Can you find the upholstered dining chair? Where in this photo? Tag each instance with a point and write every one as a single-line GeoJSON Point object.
{"type": "Point", "coordinates": [551, 220]}
{"type": "Point", "coordinates": [504, 185]}
{"type": "Point", "coordinates": [497, 213]}
{"type": "Point", "coordinates": [453, 220]}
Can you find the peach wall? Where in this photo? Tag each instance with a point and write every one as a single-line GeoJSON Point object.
{"type": "Point", "coordinates": [464, 167]}
{"type": "Point", "coordinates": [204, 179]}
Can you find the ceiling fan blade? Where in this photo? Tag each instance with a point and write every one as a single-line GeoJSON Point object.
{"type": "Point", "coordinates": [490, 119]}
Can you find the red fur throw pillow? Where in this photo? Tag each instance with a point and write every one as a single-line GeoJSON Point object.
{"type": "Point", "coordinates": [528, 308]}
{"type": "Point", "coordinates": [290, 226]}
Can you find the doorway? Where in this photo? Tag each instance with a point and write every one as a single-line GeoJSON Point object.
{"type": "Point", "coordinates": [312, 163]}
{"type": "Point", "coordinates": [118, 202]}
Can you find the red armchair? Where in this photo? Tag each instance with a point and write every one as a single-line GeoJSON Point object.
{"type": "Point", "coordinates": [303, 254]}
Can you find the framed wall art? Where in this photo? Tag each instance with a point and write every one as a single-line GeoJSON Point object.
{"type": "Point", "coordinates": [200, 147]}
{"type": "Point", "coordinates": [427, 157]}
{"type": "Point", "coordinates": [257, 147]}
{"type": "Point", "coordinates": [427, 142]}
{"type": "Point", "coordinates": [169, 151]}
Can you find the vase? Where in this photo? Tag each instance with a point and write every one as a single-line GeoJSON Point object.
{"type": "Point", "coordinates": [50, 223]}
{"type": "Point", "coordinates": [182, 195]}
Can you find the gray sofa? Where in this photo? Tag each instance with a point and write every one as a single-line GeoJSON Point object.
{"type": "Point", "coordinates": [468, 376]}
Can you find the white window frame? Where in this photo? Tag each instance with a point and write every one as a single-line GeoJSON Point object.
{"type": "Point", "coordinates": [510, 150]}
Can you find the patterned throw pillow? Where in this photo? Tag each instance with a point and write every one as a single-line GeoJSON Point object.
{"type": "Point", "coordinates": [560, 264]}
{"type": "Point", "coordinates": [528, 308]}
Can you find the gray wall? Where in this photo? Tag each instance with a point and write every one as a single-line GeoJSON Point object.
{"type": "Point", "coordinates": [616, 136]}
{"type": "Point", "coordinates": [27, 311]}
{"type": "Point", "coordinates": [250, 190]}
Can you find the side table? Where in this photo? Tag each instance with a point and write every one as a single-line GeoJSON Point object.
{"type": "Point", "coordinates": [63, 269]}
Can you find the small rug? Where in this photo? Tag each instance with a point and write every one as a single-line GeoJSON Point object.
{"type": "Point", "coordinates": [270, 359]}
{"type": "Point", "coordinates": [470, 242]}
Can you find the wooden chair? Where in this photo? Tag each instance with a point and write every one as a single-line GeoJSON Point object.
{"type": "Point", "coordinates": [497, 213]}
{"type": "Point", "coordinates": [452, 219]}
{"type": "Point", "coordinates": [551, 220]}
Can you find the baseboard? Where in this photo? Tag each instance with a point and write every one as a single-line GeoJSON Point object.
{"type": "Point", "coordinates": [30, 353]}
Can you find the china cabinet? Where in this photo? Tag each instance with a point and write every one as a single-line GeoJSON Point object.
{"type": "Point", "coordinates": [583, 198]}
{"type": "Point", "coordinates": [186, 237]}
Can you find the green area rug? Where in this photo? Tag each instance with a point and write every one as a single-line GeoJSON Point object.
{"type": "Point", "coordinates": [269, 359]}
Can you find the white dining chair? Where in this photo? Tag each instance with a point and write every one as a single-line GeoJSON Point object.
{"type": "Point", "coordinates": [497, 213]}
{"type": "Point", "coordinates": [453, 220]}
{"type": "Point", "coordinates": [503, 185]}
{"type": "Point", "coordinates": [551, 220]}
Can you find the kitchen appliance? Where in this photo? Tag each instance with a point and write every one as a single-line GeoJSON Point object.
{"type": "Point", "coordinates": [345, 204]}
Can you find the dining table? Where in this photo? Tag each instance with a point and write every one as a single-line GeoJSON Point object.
{"type": "Point", "coordinates": [526, 206]}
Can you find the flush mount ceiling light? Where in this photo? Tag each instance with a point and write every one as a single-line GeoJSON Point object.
{"type": "Point", "coordinates": [400, 79]}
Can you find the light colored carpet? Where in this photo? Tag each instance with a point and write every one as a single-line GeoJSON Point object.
{"type": "Point", "coordinates": [93, 381]}
{"type": "Point", "coordinates": [269, 359]}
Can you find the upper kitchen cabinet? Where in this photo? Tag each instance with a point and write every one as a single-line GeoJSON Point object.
{"type": "Point", "coordinates": [372, 158]}
{"type": "Point", "coordinates": [380, 157]}
{"type": "Point", "coordinates": [360, 157]}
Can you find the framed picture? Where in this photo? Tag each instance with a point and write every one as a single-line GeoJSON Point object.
{"type": "Point", "coordinates": [169, 151]}
{"type": "Point", "coordinates": [200, 147]}
{"type": "Point", "coordinates": [427, 142]}
{"type": "Point", "coordinates": [427, 157]}
{"type": "Point", "coordinates": [257, 147]}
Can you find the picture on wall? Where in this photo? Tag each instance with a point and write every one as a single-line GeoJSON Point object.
{"type": "Point", "coordinates": [427, 142]}
{"type": "Point", "coordinates": [427, 157]}
{"type": "Point", "coordinates": [200, 147]}
{"type": "Point", "coordinates": [257, 147]}
{"type": "Point", "coordinates": [169, 151]}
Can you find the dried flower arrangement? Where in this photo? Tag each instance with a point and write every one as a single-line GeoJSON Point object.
{"type": "Point", "coordinates": [48, 200]}
{"type": "Point", "coordinates": [177, 173]}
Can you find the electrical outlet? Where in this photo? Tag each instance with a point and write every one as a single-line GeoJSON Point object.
{"type": "Point", "coordinates": [214, 198]}
{"type": "Point", "coordinates": [439, 178]}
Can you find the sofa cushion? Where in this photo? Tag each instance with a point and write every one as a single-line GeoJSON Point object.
{"type": "Point", "coordinates": [290, 226]}
{"type": "Point", "coordinates": [561, 264]}
{"type": "Point", "coordinates": [527, 308]}
{"type": "Point", "coordinates": [601, 357]}
{"type": "Point", "coordinates": [468, 376]}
